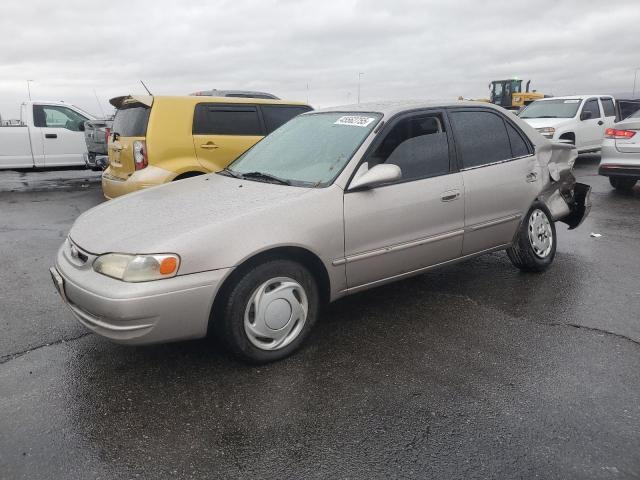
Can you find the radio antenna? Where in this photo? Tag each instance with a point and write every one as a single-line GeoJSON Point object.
{"type": "Point", "coordinates": [145, 87]}
{"type": "Point", "coordinates": [98, 101]}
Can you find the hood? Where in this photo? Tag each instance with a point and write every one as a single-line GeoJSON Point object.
{"type": "Point", "coordinates": [151, 220]}
{"type": "Point", "coordinates": [547, 122]}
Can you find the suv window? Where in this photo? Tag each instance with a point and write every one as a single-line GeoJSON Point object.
{"type": "Point", "coordinates": [211, 119]}
{"type": "Point", "coordinates": [481, 137]}
{"type": "Point", "coordinates": [607, 106]}
{"type": "Point", "coordinates": [418, 145]}
{"type": "Point", "coordinates": [277, 115]}
{"type": "Point", "coordinates": [592, 106]}
{"type": "Point", "coordinates": [54, 116]}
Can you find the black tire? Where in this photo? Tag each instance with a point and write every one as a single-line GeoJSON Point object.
{"type": "Point", "coordinates": [229, 325]}
{"type": "Point", "coordinates": [623, 184]}
{"type": "Point", "coordinates": [523, 253]}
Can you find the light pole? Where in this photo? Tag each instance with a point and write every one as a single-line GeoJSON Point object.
{"type": "Point", "coordinates": [635, 77]}
{"type": "Point", "coordinates": [359, 79]}
{"type": "Point", "coordinates": [29, 88]}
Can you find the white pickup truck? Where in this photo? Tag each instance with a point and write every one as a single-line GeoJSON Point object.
{"type": "Point", "coordinates": [578, 119]}
{"type": "Point", "coordinates": [50, 134]}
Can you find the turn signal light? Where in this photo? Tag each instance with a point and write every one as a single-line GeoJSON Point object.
{"type": "Point", "coordinates": [615, 133]}
{"type": "Point", "coordinates": [168, 265]}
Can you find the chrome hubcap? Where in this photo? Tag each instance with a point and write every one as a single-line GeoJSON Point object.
{"type": "Point", "coordinates": [540, 233]}
{"type": "Point", "coordinates": [276, 313]}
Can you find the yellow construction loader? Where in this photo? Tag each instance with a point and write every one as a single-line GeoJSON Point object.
{"type": "Point", "coordinates": [509, 94]}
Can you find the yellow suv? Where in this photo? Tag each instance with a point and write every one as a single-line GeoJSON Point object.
{"type": "Point", "coordinates": [159, 139]}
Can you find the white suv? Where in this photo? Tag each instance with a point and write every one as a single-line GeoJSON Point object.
{"type": "Point", "coordinates": [579, 119]}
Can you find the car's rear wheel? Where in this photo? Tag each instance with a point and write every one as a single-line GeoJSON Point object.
{"type": "Point", "coordinates": [623, 183]}
{"type": "Point", "coordinates": [534, 247]}
{"type": "Point", "coordinates": [269, 310]}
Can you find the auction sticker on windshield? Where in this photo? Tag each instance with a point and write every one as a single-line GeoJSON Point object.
{"type": "Point", "coordinates": [354, 120]}
{"type": "Point", "coordinates": [572, 101]}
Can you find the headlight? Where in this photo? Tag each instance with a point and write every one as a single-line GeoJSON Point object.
{"type": "Point", "coordinates": [137, 268]}
{"type": "Point", "coordinates": [546, 131]}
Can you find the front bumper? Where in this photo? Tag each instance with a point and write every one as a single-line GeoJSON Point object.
{"type": "Point", "coordinates": [150, 176]}
{"type": "Point", "coordinates": [136, 313]}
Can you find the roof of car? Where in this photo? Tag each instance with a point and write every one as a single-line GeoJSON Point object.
{"type": "Point", "coordinates": [574, 97]}
{"type": "Point", "coordinates": [193, 99]}
{"type": "Point", "coordinates": [393, 107]}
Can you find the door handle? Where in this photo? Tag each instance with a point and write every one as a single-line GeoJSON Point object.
{"type": "Point", "coordinates": [532, 176]}
{"type": "Point", "coordinates": [600, 122]}
{"type": "Point", "coordinates": [50, 135]}
{"type": "Point", "coordinates": [450, 195]}
{"type": "Point", "coordinates": [209, 146]}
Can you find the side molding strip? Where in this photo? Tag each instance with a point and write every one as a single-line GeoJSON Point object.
{"type": "Point", "coordinates": [397, 247]}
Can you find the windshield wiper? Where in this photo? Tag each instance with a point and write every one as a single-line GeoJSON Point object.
{"type": "Point", "coordinates": [230, 173]}
{"type": "Point", "coordinates": [545, 116]}
{"type": "Point", "coordinates": [266, 176]}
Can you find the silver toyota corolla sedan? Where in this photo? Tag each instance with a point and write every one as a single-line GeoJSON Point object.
{"type": "Point", "coordinates": [334, 202]}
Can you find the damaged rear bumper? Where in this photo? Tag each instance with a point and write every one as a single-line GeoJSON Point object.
{"type": "Point", "coordinates": [579, 207]}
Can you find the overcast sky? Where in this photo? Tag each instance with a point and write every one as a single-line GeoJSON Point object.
{"type": "Point", "coordinates": [404, 48]}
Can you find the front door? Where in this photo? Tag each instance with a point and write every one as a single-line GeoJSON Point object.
{"type": "Point", "coordinates": [61, 130]}
{"type": "Point", "coordinates": [415, 222]}
{"type": "Point", "coordinates": [500, 173]}
{"type": "Point", "coordinates": [221, 133]}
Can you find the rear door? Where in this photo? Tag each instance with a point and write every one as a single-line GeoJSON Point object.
{"type": "Point", "coordinates": [221, 133]}
{"type": "Point", "coordinates": [500, 173]}
{"type": "Point", "coordinates": [130, 124]}
{"type": "Point", "coordinates": [62, 136]}
{"type": "Point", "coordinates": [608, 112]}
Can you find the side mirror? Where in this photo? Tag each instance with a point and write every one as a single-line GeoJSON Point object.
{"type": "Point", "coordinates": [586, 115]}
{"type": "Point", "coordinates": [81, 126]}
{"type": "Point", "coordinates": [377, 175]}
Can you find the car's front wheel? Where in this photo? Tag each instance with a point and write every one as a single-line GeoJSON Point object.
{"type": "Point", "coordinates": [623, 183]}
{"type": "Point", "coordinates": [268, 311]}
{"type": "Point", "coordinates": [534, 247]}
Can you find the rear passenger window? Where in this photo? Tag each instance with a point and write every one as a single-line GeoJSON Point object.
{"type": "Point", "coordinates": [211, 119]}
{"type": "Point", "coordinates": [481, 137]}
{"type": "Point", "coordinates": [593, 107]}
{"type": "Point", "coordinates": [519, 148]}
{"type": "Point", "coordinates": [607, 106]}
{"type": "Point", "coordinates": [418, 145]}
{"type": "Point", "coordinates": [276, 115]}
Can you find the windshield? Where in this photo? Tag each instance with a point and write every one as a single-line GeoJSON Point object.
{"type": "Point", "coordinates": [557, 108]}
{"type": "Point", "coordinates": [309, 150]}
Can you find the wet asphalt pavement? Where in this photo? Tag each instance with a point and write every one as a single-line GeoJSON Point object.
{"type": "Point", "coordinates": [472, 371]}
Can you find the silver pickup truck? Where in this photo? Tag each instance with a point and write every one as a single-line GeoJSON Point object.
{"type": "Point", "coordinates": [96, 136]}
{"type": "Point", "coordinates": [49, 134]}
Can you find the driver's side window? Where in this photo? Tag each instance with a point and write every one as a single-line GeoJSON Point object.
{"type": "Point", "coordinates": [418, 145]}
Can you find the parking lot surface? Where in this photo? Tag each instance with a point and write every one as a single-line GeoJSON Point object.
{"type": "Point", "coordinates": [472, 371]}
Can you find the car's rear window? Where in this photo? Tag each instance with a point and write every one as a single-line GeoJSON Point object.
{"type": "Point", "coordinates": [131, 121]}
